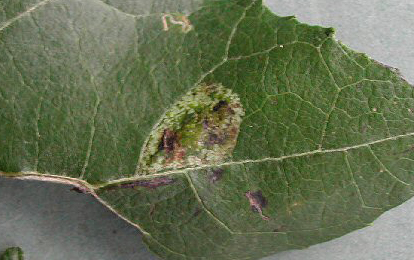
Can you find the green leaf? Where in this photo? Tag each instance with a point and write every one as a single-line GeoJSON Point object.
{"type": "Point", "coordinates": [12, 253]}
{"type": "Point", "coordinates": [301, 140]}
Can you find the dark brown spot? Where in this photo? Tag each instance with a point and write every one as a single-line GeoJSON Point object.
{"type": "Point", "coordinates": [197, 212]}
{"type": "Point", "coordinates": [258, 196]}
{"type": "Point", "coordinates": [216, 175]}
{"type": "Point", "coordinates": [150, 184]}
{"type": "Point", "coordinates": [214, 138]}
{"type": "Point", "coordinates": [169, 139]}
{"type": "Point", "coordinates": [161, 145]}
{"type": "Point", "coordinates": [82, 190]}
{"type": "Point", "coordinates": [257, 202]}
{"type": "Point", "coordinates": [219, 105]}
{"type": "Point", "coordinates": [151, 212]}
{"type": "Point", "coordinates": [329, 31]}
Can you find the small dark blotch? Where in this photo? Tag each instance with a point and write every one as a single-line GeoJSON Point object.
{"type": "Point", "coordinates": [80, 190]}
{"type": "Point", "coordinates": [205, 124]}
{"type": "Point", "coordinates": [258, 196]}
{"type": "Point", "coordinates": [169, 139]}
{"type": "Point", "coordinates": [76, 189]}
{"type": "Point", "coordinates": [219, 105]}
{"type": "Point", "coordinates": [257, 202]}
{"type": "Point", "coordinates": [217, 175]}
{"type": "Point", "coordinates": [197, 212]}
{"type": "Point", "coordinates": [230, 111]}
{"type": "Point", "coordinates": [150, 184]}
{"type": "Point", "coordinates": [329, 31]}
{"type": "Point", "coordinates": [214, 138]}
{"type": "Point", "coordinates": [161, 145]}
{"type": "Point", "coordinates": [114, 232]}
{"type": "Point", "coordinates": [152, 209]}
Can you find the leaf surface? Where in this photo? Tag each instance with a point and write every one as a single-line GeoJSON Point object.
{"type": "Point", "coordinates": [324, 146]}
{"type": "Point", "coordinates": [13, 253]}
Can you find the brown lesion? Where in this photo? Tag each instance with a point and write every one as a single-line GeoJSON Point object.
{"type": "Point", "coordinates": [257, 202]}
{"type": "Point", "coordinates": [80, 189]}
{"type": "Point", "coordinates": [216, 175]}
{"type": "Point", "coordinates": [200, 129]}
{"type": "Point", "coordinates": [220, 104]}
{"type": "Point", "coordinates": [150, 184]}
{"type": "Point", "coordinates": [152, 209]}
{"type": "Point", "coordinates": [171, 145]}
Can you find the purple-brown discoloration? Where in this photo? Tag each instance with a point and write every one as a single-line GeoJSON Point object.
{"type": "Point", "coordinates": [196, 212]}
{"type": "Point", "coordinates": [169, 140]}
{"type": "Point", "coordinates": [214, 138]}
{"type": "Point", "coordinates": [79, 189]}
{"type": "Point", "coordinates": [220, 104]}
{"type": "Point", "coordinates": [257, 202]}
{"type": "Point", "coordinates": [216, 175]}
{"type": "Point", "coordinates": [150, 184]}
{"type": "Point", "coordinates": [152, 209]}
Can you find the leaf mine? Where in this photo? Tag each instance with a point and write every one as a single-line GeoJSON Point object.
{"type": "Point", "coordinates": [181, 20]}
{"type": "Point", "coordinates": [200, 129]}
{"type": "Point", "coordinates": [325, 148]}
{"type": "Point", "coordinates": [257, 202]}
{"type": "Point", "coordinates": [149, 184]}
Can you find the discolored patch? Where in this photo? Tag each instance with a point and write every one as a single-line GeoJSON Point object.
{"type": "Point", "coordinates": [257, 202]}
{"type": "Point", "coordinates": [200, 129]}
{"type": "Point", "coordinates": [81, 190]}
{"type": "Point", "coordinates": [216, 175]}
{"type": "Point", "coordinates": [150, 184]}
{"type": "Point", "coordinates": [177, 19]}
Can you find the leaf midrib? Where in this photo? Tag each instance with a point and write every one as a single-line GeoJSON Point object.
{"type": "Point", "coordinates": [76, 181]}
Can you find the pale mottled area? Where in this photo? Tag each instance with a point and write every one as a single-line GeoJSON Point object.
{"type": "Point", "coordinates": [51, 222]}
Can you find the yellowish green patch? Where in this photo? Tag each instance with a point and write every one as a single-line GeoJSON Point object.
{"type": "Point", "coordinates": [200, 129]}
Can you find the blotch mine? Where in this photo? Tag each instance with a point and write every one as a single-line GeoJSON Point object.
{"type": "Point", "coordinates": [200, 129]}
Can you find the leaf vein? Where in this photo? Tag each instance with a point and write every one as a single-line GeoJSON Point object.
{"type": "Point", "coordinates": [190, 181]}
{"type": "Point", "coordinates": [351, 173]}
{"type": "Point", "coordinates": [23, 14]}
{"type": "Point", "coordinates": [385, 168]}
{"type": "Point", "coordinates": [91, 137]}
